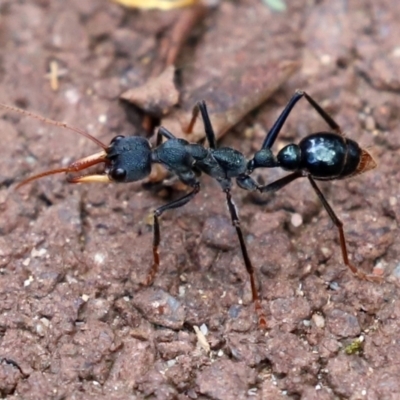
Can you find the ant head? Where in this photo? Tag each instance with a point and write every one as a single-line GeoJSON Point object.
{"type": "Point", "coordinates": [129, 159]}
{"type": "Point", "coordinates": [126, 159]}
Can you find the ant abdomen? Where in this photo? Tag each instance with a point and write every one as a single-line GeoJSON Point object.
{"type": "Point", "coordinates": [324, 155]}
{"type": "Point", "coordinates": [329, 156]}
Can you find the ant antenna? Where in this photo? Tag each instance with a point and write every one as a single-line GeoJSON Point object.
{"type": "Point", "coordinates": [56, 123]}
{"type": "Point", "coordinates": [76, 165]}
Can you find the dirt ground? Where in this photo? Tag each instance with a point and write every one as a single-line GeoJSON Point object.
{"type": "Point", "coordinates": [75, 322]}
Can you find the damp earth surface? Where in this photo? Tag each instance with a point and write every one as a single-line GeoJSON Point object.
{"type": "Point", "coordinates": [75, 321]}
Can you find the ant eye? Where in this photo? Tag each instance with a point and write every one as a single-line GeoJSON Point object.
{"type": "Point", "coordinates": [118, 174]}
{"type": "Point", "coordinates": [116, 139]}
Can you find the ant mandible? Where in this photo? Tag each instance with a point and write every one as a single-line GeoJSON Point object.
{"type": "Point", "coordinates": [321, 156]}
{"type": "Point", "coordinates": [129, 159]}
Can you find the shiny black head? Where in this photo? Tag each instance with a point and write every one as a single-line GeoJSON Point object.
{"type": "Point", "coordinates": [129, 159]}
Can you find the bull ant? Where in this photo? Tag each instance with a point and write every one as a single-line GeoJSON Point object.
{"type": "Point", "coordinates": [319, 156]}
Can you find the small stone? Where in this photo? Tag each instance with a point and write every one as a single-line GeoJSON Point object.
{"type": "Point", "coordinates": [296, 220]}
{"type": "Point", "coordinates": [38, 253]}
{"type": "Point", "coordinates": [99, 258]}
{"type": "Point", "coordinates": [102, 118]}
{"type": "Point", "coordinates": [343, 324]}
{"type": "Point", "coordinates": [219, 233]}
{"type": "Point", "coordinates": [160, 308]}
{"type": "Point", "coordinates": [204, 329]}
{"type": "Point", "coordinates": [45, 322]}
{"type": "Point", "coordinates": [28, 281]}
{"type": "Point", "coordinates": [26, 262]}
{"type": "Point", "coordinates": [318, 320]}
{"type": "Point", "coordinates": [370, 123]}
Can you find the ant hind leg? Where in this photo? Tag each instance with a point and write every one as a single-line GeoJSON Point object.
{"type": "Point", "coordinates": [339, 225]}
{"type": "Point", "coordinates": [327, 118]}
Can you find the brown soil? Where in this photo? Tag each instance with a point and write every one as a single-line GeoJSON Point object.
{"type": "Point", "coordinates": [75, 322]}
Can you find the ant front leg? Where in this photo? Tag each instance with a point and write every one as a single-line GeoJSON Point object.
{"type": "Point", "coordinates": [262, 321]}
{"type": "Point", "coordinates": [156, 230]}
{"type": "Point", "coordinates": [339, 225]}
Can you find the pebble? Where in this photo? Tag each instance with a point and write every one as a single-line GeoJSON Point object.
{"type": "Point", "coordinates": [296, 220]}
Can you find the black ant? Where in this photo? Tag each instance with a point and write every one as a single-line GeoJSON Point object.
{"type": "Point", "coordinates": [321, 156]}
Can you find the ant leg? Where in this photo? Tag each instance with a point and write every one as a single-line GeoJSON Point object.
{"type": "Point", "coordinates": [246, 182]}
{"type": "Point", "coordinates": [274, 131]}
{"type": "Point", "coordinates": [339, 224]}
{"type": "Point", "coordinates": [280, 183]}
{"type": "Point", "coordinates": [262, 321]}
{"type": "Point", "coordinates": [207, 125]}
{"type": "Point", "coordinates": [327, 118]}
{"type": "Point", "coordinates": [156, 230]}
{"type": "Point", "coordinates": [195, 114]}
{"type": "Point", "coordinates": [202, 108]}
{"type": "Point", "coordinates": [163, 132]}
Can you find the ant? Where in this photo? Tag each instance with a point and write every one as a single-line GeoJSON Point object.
{"type": "Point", "coordinates": [323, 156]}
{"type": "Point", "coordinates": [319, 156]}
